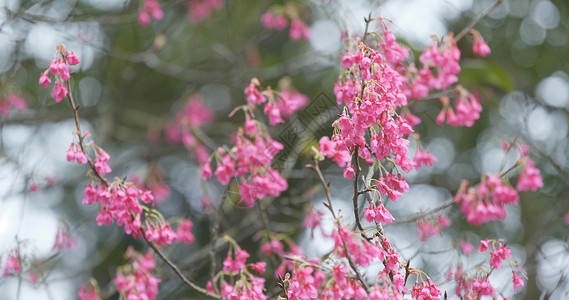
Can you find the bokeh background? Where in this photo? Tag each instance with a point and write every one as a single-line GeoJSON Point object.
{"type": "Point", "coordinates": [133, 79]}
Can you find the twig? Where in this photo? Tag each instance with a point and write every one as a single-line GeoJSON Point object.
{"type": "Point", "coordinates": [353, 265]}
{"type": "Point", "coordinates": [468, 27]}
{"type": "Point", "coordinates": [367, 20]}
{"type": "Point", "coordinates": [75, 110]}
{"type": "Point", "coordinates": [176, 270]}
{"type": "Point", "coordinates": [215, 230]}
{"type": "Point", "coordinates": [304, 262]}
{"type": "Point", "coordinates": [356, 192]}
{"type": "Point", "coordinates": [417, 216]}
{"type": "Point", "coordinates": [329, 206]}
{"type": "Point", "coordinates": [316, 169]}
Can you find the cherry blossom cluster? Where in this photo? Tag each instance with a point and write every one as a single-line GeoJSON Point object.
{"type": "Point", "coordinates": [10, 103]}
{"type": "Point", "coordinates": [136, 280]}
{"type": "Point", "coordinates": [423, 158]}
{"type": "Point", "coordinates": [63, 239]}
{"type": "Point", "coordinates": [251, 158]}
{"type": "Point", "coordinates": [250, 162]}
{"type": "Point", "coordinates": [336, 277]}
{"type": "Point", "coordinates": [479, 47]}
{"type": "Point", "coordinates": [184, 232]}
{"type": "Point", "coordinates": [466, 109]}
{"type": "Point", "coordinates": [372, 90]}
{"type": "Point", "coordinates": [199, 10]}
{"type": "Point", "coordinates": [530, 177]}
{"type": "Point", "coordinates": [194, 115]}
{"type": "Point", "coordinates": [59, 68]}
{"type": "Point", "coordinates": [473, 287]}
{"type": "Point", "coordinates": [100, 163]}
{"type": "Point", "coordinates": [13, 264]}
{"type": "Point", "coordinates": [279, 17]}
{"type": "Point", "coordinates": [277, 104]}
{"type": "Point", "coordinates": [121, 202]}
{"type": "Point", "coordinates": [485, 202]}
{"type": "Point", "coordinates": [432, 226]}
{"type": "Point", "coordinates": [89, 291]}
{"type": "Point", "coordinates": [440, 67]}
{"type": "Point", "coordinates": [150, 10]}
{"type": "Point", "coordinates": [439, 70]}
{"type": "Point", "coordinates": [243, 282]}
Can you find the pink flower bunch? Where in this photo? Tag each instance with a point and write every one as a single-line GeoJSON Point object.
{"type": "Point", "coordinates": [432, 226]}
{"type": "Point", "coordinates": [272, 20]}
{"type": "Point", "coordinates": [312, 218]}
{"type": "Point", "coordinates": [392, 186]}
{"type": "Point", "coordinates": [246, 285]}
{"type": "Point", "coordinates": [13, 264]}
{"type": "Point", "coordinates": [88, 292]}
{"type": "Point", "coordinates": [290, 101]}
{"type": "Point", "coordinates": [194, 115]}
{"type": "Point", "coordinates": [149, 11]}
{"type": "Point", "coordinates": [272, 246]}
{"type": "Point", "coordinates": [101, 159]}
{"type": "Point", "coordinates": [530, 178]}
{"type": "Point", "coordinates": [279, 21]}
{"type": "Point", "coordinates": [121, 202]}
{"type": "Point", "coordinates": [59, 68]}
{"type": "Point", "coordinates": [332, 149]}
{"type": "Point", "coordinates": [466, 110]}
{"type": "Point", "coordinates": [471, 288]}
{"type": "Point", "coordinates": [12, 102]}
{"type": "Point", "coordinates": [517, 280]}
{"type": "Point", "coordinates": [277, 103]}
{"type": "Point", "coordinates": [299, 30]}
{"type": "Point", "coordinates": [379, 214]}
{"type": "Point", "coordinates": [136, 281]}
{"type": "Point", "coordinates": [305, 282]}
{"type": "Point", "coordinates": [63, 239]}
{"type": "Point", "coordinates": [308, 282]}
{"type": "Point", "coordinates": [498, 252]}
{"type": "Point", "coordinates": [423, 158]}
{"type": "Point", "coordinates": [443, 60]}
{"type": "Point", "coordinates": [371, 98]}
{"type": "Point", "coordinates": [486, 201]}
{"type": "Point", "coordinates": [74, 153]}
{"type": "Point", "coordinates": [426, 290]}
{"type": "Point", "coordinates": [394, 52]}
{"type": "Point", "coordinates": [199, 10]}
{"type": "Point", "coordinates": [161, 233]}
{"type": "Point", "coordinates": [360, 250]}
{"type": "Point", "coordinates": [250, 161]}
{"type": "Point", "coordinates": [232, 265]}
{"type": "Point", "coordinates": [466, 247]}
{"type": "Point", "coordinates": [184, 232]}
{"type": "Point", "coordinates": [479, 47]}
{"type": "Point", "coordinates": [481, 287]}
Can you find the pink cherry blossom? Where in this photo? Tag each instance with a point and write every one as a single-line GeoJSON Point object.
{"type": "Point", "coordinates": [184, 232]}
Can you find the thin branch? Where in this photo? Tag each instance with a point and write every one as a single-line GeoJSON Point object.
{"type": "Point", "coordinates": [353, 265]}
{"type": "Point", "coordinates": [468, 27]}
{"type": "Point", "coordinates": [417, 216]}
{"type": "Point", "coordinates": [75, 110]}
{"type": "Point", "coordinates": [367, 20]}
{"type": "Point", "coordinates": [356, 192]}
{"type": "Point", "coordinates": [176, 270]}
{"type": "Point", "coordinates": [215, 230]}
{"type": "Point", "coordinates": [316, 169]}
